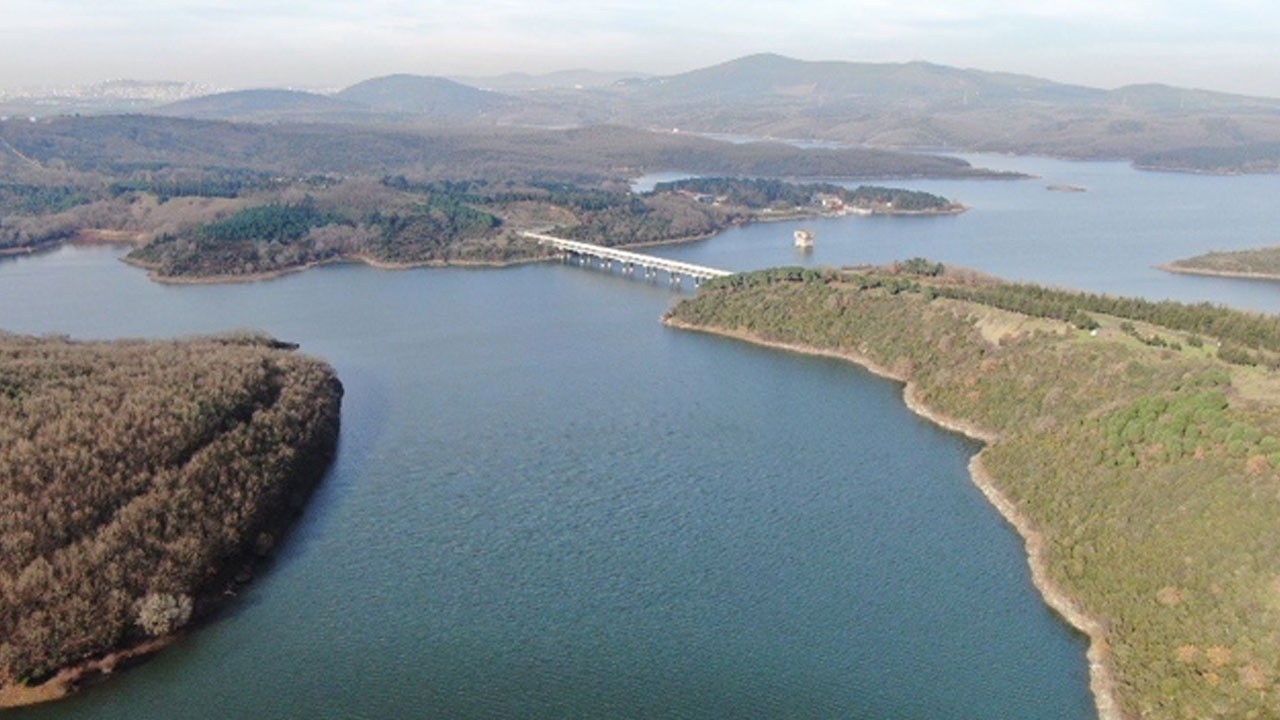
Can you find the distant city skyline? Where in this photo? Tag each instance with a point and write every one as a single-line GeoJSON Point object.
{"type": "Point", "coordinates": [1228, 46]}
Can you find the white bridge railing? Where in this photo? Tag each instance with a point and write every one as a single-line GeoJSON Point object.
{"type": "Point", "coordinates": [629, 260]}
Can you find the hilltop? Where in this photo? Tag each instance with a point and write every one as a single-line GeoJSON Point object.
{"type": "Point", "coordinates": [920, 104]}
{"type": "Point", "coordinates": [261, 105]}
{"type": "Point", "coordinates": [912, 105]}
{"type": "Point", "coordinates": [421, 95]}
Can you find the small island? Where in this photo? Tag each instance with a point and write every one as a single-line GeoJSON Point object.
{"type": "Point", "coordinates": [1260, 264]}
{"type": "Point", "coordinates": [1134, 445]}
{"type": "Point", "coordinates": [142, 481]}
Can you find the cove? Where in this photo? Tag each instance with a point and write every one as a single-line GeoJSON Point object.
{"type": "Point", "coordinates": [545, 504]}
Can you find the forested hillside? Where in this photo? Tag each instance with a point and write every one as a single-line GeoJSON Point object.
{"type": "Point", "coordinates": [1135, 444]}
{"type": "Point", "coordinates": [395, 221]}
{"type": "Point", "coordinates": [236, 225]}
{"type": "Point", "coordinates": [131, 146]}
{"type": "Point", "coordinates": [759, 193]}
{"type": "Point", "coordinates": [137, 479]}
{"type": "Point", "coordinates": [392, 195]}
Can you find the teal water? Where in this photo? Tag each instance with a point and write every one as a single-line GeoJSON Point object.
{"type": "Point", "coordinates": [547, 505]}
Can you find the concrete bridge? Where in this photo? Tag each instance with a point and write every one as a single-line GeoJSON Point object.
{"type": "Point", "coordinates": [629, 261]}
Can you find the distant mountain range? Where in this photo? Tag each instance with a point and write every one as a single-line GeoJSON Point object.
{"type": "Point", "coordinates": [760, 79]}
{"type": "Point", "coordinates": [385, 98]}
{"type": "Point", "coordinates": [518, 82]}
{"type": "Point", "coordinates": [419, 95]}
{"type": "Point", "coordinates": [892, 105]}
{"type": "Point", "coordinates": [262, 105]}
{"type": "Point", "coordinates": [115, 146]}
{"type": "Point", "coordinates": [923, 105]}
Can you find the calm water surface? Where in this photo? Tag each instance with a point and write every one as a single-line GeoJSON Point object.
{"type": "Point", "coordinates": [546, 505]}
{"type": "Point", "coordinates": [1108, 239]}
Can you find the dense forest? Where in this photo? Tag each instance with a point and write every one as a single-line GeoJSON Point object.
{"type": "Point", "coordinates": [395, 221]}
{"type": "Point", "coordinates": [256, 239]}
{"type": "Point", "coordinates": [228, 226]}
{"type": "Point", "coordinates": [138, 479]}
{"type": "Point", "coordinates": [229, 201]}
{"type": "Point", "coordinates": [400, 221]}
{"type": "Point", "coordinates": [1145, 456]}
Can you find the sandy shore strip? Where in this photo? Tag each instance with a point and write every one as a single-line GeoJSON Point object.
{"type": "Point", "coordinates": [1102, 683]}
{"type": "Point", "coordinates": [1241, 274]}
{"type": "Point", "coordinates": [70, 679]}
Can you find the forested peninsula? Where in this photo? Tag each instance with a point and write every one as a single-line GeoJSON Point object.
{"type": "Point", "coordinates": [223, 225]}
{"type": "Point", "coordinates": [1133, 444]}
{"type": "Point", "coordinates": [1259, 264]}
{"type": "Point", "coordinates": [141, 481]}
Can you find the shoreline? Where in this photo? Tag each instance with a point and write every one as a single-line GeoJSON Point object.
{"type": "Point", "coordinates": [1208, 272]}
{"type": "Point", "coordinates": [1102, 684]}
{"type": "Point", "coordinates": [381, 264]}
{"type": "Point", "coordinates": [1207, 172]}
{"type": "Point", "coordinates": [70, 679]}
{"type": "Point", "coordinates": [96, 237]}
{"type": "Point", "coordinates": [353, 259]}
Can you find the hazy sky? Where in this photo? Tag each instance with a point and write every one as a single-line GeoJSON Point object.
{"type": "Point", "coordinates": [1231, 45]}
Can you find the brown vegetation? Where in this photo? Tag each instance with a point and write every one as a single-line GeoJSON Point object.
{"type": "Point", "coordinates": [136, 478]}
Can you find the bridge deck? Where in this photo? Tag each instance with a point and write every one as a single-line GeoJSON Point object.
{"type": "Point", "coordinates": [674, 267]}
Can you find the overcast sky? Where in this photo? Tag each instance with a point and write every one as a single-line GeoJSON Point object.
{"type": "Point", "coordinates": [1231, 45]}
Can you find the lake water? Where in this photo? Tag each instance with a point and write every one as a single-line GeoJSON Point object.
{"type": "Point", "coordinates": [547, 505]}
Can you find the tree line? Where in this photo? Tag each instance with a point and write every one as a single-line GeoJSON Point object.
{"type": "Point", "coordinates": [758, 193]}
{"type": "Point", "coordinates": [137, 478]}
